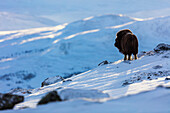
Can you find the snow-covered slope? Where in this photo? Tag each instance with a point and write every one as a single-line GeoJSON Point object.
{"type": "Point", "coordinates": [12, 21]}
{"type": "Point", "coordinates": [30, 56]}
{"type": "Point", "coordinates": [144, 79]}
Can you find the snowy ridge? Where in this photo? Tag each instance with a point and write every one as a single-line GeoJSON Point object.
{"type": "Point", "coordinates": [150, 93]}
{"type": "Point", "coordinates": [41, 51]}
{"type": "Point", "coordinates": [59, 12]}
{"type": "Point", "coordinates": [12, 21]}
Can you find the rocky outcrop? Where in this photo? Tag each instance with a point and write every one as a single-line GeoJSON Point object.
{"type": "Point", "coordinates": [50, 97]}
{"type": "Point", "coordinates": [162, 47]}
{"type": "Point", "coordinates": [103, 63]}
{"type": "Point", "coordinates": [69, 94]}
{"type": "Point", "coordinates": [140, 76]}
{"type": "Point", "coordinates": [159, 49]}
{"type": "Point", "coordinates": [8, 101]}
{"type": "Point", "coordinates": [52, 80]}
{"type": "Point", "coordinates": [20, 90]}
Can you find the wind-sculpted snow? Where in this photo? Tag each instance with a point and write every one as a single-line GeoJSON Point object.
{"type": "Point", "coordinates": [73, 48]}
{"type": "Point", "coordinates": [68, 94]}
{"type": "Point", "coordinates": [103, 89]}
{"type": "Point", "coordinates": [12, 21]}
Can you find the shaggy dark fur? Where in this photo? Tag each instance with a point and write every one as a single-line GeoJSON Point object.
{"type": "Point", "coordinates": [127, 43]}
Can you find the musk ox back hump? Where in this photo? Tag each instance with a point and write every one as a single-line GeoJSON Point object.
{"type": "Point", "coordinates": [119, 37]}
{"type": "Point", "coordinates": [129, 44]}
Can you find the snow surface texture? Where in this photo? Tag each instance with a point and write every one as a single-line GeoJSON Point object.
{"type": "Point", "coordinates": [144, 95]}
{"type": "Point", "coordinates": [12, 21]}
{"type": "Point", "coordinates": [22, 14]}
{"type": "Point", "coordinates": [29, 56]}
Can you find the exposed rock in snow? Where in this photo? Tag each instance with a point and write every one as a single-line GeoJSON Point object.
{"type": "Point", "coordinates": [140, 76]}
{"type": "Point", "coordinates": [52, 80]}
{"type": "Point", "coordinates": [157, 67]}
{"type": "Point", "coordinates": [159, 49]}
{"type": "Point", "coordinates": [157, 72]}
{"type": "Point", "coordinates": [167, 78]}
{"type": "Point", "coordinates": [140, 79]}
{"type": "Point", "coordinates": [67, 94]}
{"type": "Point", "coordinates": [50, 97]}
{"type": "Point", "coordinates": [20, 91]}
{"type": "Point", "coordinates": [103, 63]}
{"type": "Point", "coordinates": [8, 101]}
{"type": "Point", "coordinates": [162, 47]}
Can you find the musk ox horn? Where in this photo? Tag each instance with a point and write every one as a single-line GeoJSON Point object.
{"type": "Point", "coordinates": [127, 43]}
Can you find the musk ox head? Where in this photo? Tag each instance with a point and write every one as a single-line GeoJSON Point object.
{"type": "Point", "coordinates": [119, 36]}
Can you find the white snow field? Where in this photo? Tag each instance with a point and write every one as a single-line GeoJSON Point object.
{"type": "Point", "coordinates": [29, 56]}
{"type": "Point", "coordinates": [24, 14]}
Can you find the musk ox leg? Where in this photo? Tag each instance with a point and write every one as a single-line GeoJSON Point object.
{"type": "Point", "coordinates": [125, 57]}
{"type": "Point", "coordinates": [135, 56]}
{"type": "Point", "coordinates": [130, 57]}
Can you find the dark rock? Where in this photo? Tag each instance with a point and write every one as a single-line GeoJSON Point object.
{"type": "Point", "coordinates": [167, 87]}
{"type": "Point", "coordinates": [162, 47]}
{"type": "Point", "coordinates": [157, 67]}
{"type": "Point", "coordinates": [160, 72]}
{"type": "Point", "coordinates": [167, 78]}
{"type": "Point", "coordinates": [50, 97]}
{"type": "Point", "coordinates": [150, 53]}
{"type": "Point", "coordinates": [20, 90]}
{"type": "Point", "coordinates": [24, 107]}
{"type": "Point", "coordinates": [161, 86]}
{"type": "Point", "coordinates": [52, 80]}
{"type": "Point", "coordinates": [165, 56]}
{"type": "Point", "coordinates": [142, 53]}
{"type": "Point", "coordinates": [18, 82]}
{"type": "Point", "coordinates": [126, 83]}
{"type": "Point", "coordinates": [149, 78]}
{"type": "Point", "coordinates": [67, 80]}
{"type": "Point", "coordinates": [8, 101]}
{"type": "Point", "coordinates": [103, 63]}
{"type": "Point", "coordinates": [29, 76]}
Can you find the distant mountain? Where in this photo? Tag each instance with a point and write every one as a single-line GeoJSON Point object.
{"type": "Point", "coordinates": [12, 21]}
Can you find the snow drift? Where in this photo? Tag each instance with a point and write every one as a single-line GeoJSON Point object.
{"type": "Point", "coordinates": [103, 89]}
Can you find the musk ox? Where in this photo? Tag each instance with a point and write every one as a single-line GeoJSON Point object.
{"type": "Point", "coordinates": [127, 43]}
